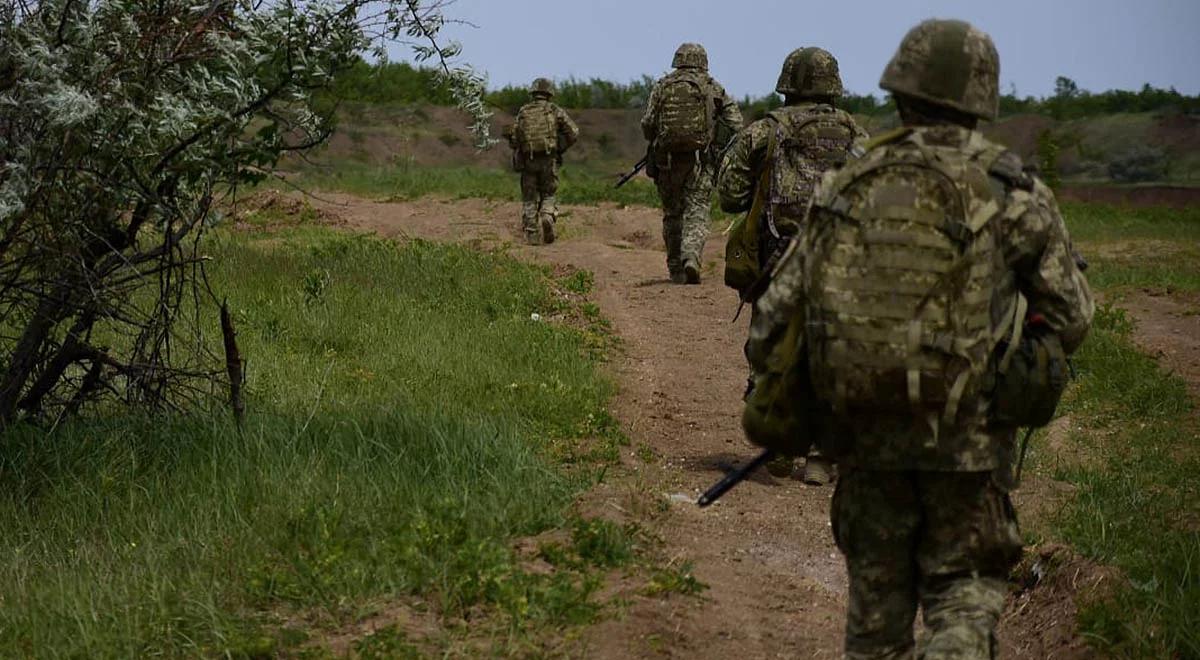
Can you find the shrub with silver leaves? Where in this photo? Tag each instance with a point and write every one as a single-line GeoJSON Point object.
{"type": "Point", "coordinates": [123, 124]}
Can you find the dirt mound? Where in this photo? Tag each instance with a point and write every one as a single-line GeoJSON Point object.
{"type": "Point", "coordinates": [1168, 327]}
{"type": "Point", "coordinates": [1020, 133]}
{"type": "Point", "coordinates": [1178, 134]}
{"type": "Point", "coordinates": [272, 209]}
{"type": "Point", "coordinates": [1041, 617]}
{"type": "Point", "coordinates": [1134, 196]}
{"type": "Point", "coordinates": [434, 136]}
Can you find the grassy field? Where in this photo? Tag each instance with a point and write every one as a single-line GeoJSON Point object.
{"type": "Point", "coordinates": [1136, 502]}
{"type": "Point", "coordinates": [407, 420]}
{"type": "Point", "coordinates": [579, 185]}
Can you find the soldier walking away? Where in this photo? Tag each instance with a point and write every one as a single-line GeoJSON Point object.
{"type": "Point", "coordinates": [542, 133]}
{"type": "Point", "coordinates": [924, 312]}
{"type": "Point", "coordinates": [689, 118]}
{"type": "Point", "coordinates": [771, 170]}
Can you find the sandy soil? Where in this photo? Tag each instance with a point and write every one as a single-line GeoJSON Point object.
{"type": "Point", "coordinates": [776, 582]}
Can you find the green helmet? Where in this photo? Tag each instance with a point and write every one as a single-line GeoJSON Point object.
{"type": "Point", "coordinates": [692, 56]}
{"type": "Point", "coordinates": [810, 72]}
{"type": "Point", "coordinates": [947, 63]}
{"type": "Point", "coordinates": [542, 86]}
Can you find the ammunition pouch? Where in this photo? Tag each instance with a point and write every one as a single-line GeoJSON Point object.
{"type": "Point", "coordinates": [780, 405]}
{"type": "Point", "coordinates": [1030, 379]}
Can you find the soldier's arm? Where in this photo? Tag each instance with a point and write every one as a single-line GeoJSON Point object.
{"type": "Point", "coordinates": [741, 167]}
{"type": "Point", "coordinates": [568, 131]}
{"type": "Point", "coordinates": [510, 133]}
{"type": "Point", "coordinates": [728, 115]}
{"type": "Point", "coordinates": [649, 129]}
{"type": "Point", "coordinates": [1038, 249]}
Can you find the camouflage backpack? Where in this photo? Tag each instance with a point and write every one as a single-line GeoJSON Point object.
{"type": "Point", "coordinates": [806, 142]}
{"type": "Point", "coordinates": [812, 141]}
{"type": "Point", "coordinates": [685, 112]}
{"type": "Point", "coordinates": [537, 128]}
{"type": "Point", "coordinates": [903, 263]}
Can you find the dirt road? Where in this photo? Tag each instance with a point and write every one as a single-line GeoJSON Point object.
{"type": "Point", "coordinates": [776, 582]}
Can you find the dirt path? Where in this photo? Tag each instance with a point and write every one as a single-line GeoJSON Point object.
{"type": "Point", "coordinates": [776, 582]}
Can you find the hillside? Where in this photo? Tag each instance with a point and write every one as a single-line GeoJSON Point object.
{"type": "Point", "coordinates": [1150, 155]}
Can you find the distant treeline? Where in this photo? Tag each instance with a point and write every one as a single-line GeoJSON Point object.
{"type": "Point", "coordinates": [399, 82]}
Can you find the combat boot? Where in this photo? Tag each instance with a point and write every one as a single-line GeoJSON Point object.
{"type": "Point", "coordinates": [691, 271]}
{"type": "Point", "coordinates": [781, 466]}
{"type": "Point", "coordinates": [818, 471]}
{"type": "Point", "coordinates": [548, 213]}
{"type": "Point", "coordinates": [677, 277]}
{"type": "Point", "coordinates": [533, 237]}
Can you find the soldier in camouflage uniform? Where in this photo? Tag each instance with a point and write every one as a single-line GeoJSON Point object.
{"type": "Point", "coordinates": [797, 144]}
{"type": "Point", "coordinates": [684, 172]}
{"type": "Point", "coordinates": [922, 511]}
{"type": "Point", "coordinates": [542, 133]}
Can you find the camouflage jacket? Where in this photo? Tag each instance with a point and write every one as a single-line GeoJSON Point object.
{"type": "Point", "coordinates": [726, 113]}
{"type": "Point", "coordinates": [744, 161]}
{"type": "Point", "coordinates": [568, 131]}
{"type": "Point", "coordinates": [1038, 257]}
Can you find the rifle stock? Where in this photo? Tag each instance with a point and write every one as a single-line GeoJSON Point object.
{"type": "Point", "coordinates": [641, 164]}
{"type": "Point", "coordinates": [733, 478]}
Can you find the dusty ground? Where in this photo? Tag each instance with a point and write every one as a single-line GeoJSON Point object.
{"type": "Point", "coordinates": [1168, 327]}
{"type": "Point", "coordinates": [776, 582]}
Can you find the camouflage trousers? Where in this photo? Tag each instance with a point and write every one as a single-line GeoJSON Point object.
{"type": "Point", "coordinates": [539, 184]}
{"type": "Point", "coordinates": [685, 186]}
{"type": "Point", "coordinates": [943, 540]}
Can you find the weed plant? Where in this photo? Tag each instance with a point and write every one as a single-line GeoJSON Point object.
{"type": "Point", "coordinates": [403, 408]}
{"type": "Point", "coordinates": [1136, 502]}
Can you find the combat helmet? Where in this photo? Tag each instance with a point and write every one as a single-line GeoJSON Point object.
{"type": "Point", "coordinates": [543, 86]}
{"type": "Point", "coordinates": [947, 63]}
{"type": "Point", "coordinates": [809, 72]}
{"type": "Point", "coordinates": [691, 56]}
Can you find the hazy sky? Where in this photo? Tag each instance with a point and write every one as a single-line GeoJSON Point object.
{"type": "Point", "coordinates": [1102, 44]}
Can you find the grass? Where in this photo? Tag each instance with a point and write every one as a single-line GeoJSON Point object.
{"type": "Point", "coordinates": [1136, 504]}
{"type": "Point", "coordinates": [578, 185]}
{"type": "Point", "coordinates": [1137, 248]}
{"type": "Point", "coordinates": [408, 420]}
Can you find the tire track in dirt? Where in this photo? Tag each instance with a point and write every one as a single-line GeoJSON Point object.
{"type": "Point", "coordinates": [776, 584]}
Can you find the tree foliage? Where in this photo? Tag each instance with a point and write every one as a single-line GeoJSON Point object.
{"type": "Point", "coordinates": [123, 126]}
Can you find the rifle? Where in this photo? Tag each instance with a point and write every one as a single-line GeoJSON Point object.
{"type": "Point", "coordinates": [638, 167]}
{"type": "Point", "coordinates": [733, 478]}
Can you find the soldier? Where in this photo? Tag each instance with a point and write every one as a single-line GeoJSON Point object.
{"type": "Point", "coordinates": [689, 117]}
{"type": "Point", "coordinates": [936, 297]}
{"type": "Point", "coordinates": [779, 159]}
{"type": "Point", "coordinates": [542, 133]}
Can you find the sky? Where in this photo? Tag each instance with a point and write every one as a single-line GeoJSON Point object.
{"type": "Point", "coordinates": [1101, 44]}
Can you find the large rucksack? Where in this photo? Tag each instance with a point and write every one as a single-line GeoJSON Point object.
{"type": "Point", "coordinates": [537, 128]}
{"type": "Point", "coordinates": [800, 149]}
{"type": "Point", "coordinates": [685, 113]}
{"type": "Point", "coordinates": [903, 264]}
{"type": "Point", "coordinates": [810, 144]}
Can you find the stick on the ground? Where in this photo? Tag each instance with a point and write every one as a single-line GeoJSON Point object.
{"type": "Point", "coordinates": [233, 364]}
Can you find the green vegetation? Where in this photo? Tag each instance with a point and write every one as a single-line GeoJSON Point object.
{"type": "Point", "coordinates": [1155, 247]}
{"type": "Point", "coordinates": [1136, 503]}
{"type": "Point", "coordinates": [406, 419]}
{"type": "Point", "coordinates": [1135, 507]}
{"type": "Point", "coordinates": [402, 83]}
{"type": "Point", "coordinates": [579, 184]}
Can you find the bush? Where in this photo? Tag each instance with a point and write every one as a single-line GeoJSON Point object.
{"type": "Point", "coordinates": [1139, 164]}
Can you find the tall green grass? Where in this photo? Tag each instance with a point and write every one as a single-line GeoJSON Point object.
{"type": "Point", "coordinates": [1136, 504]}
{"type": "Point", "coordinates": [403, 411]}
{"type": "Point", "coordinates": [1136, 248]}
{"type": "Point", "coordinates": [578, 184]}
